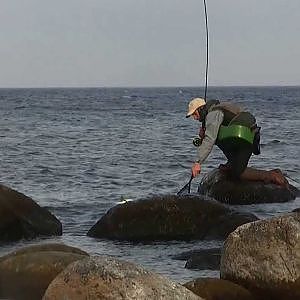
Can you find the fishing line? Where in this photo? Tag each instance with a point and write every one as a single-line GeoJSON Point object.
{"type": "Point", "coordinates": [188, 185]}
{"type": "Point", "coordinates": [291, 178]}
{"type": "Point", "coordinates": [207, 49]}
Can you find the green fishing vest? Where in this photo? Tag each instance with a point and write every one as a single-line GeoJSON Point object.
{"type": "Point", "coordinates": [237, 125]}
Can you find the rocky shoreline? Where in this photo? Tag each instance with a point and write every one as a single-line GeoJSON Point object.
{"type": "Point", "coordinates": [259, 259]}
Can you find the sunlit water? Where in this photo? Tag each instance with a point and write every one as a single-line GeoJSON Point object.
{"type": "Point", "coordinates": [78, 151]}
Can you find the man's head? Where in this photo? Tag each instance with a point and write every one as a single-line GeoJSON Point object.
{"type": "Point", "coordinates": [194, 108]}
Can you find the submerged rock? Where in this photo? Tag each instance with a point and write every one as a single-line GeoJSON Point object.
{"type": "Point", "coordinates": [104, 277]}
{"type": "Point", "coordinates": [201, 259]}
{"type": "Point", "coordinates": [264, 257]}
{"type": "Point", "coordinates": [206, 259]}
{"type": "Point", "coordinates": [214, 289]}
{"type": "Point", "coordinates": [26, 273]}
{"type": "Point", "coordinates": [169, 218]}
{"type": "Point", "coordinates": [21, 217]}
{"type": "Point", "coordinates": [216, 185]}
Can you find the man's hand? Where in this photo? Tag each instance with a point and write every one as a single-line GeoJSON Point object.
{"type": "Point", "coordinates": [196, 169]}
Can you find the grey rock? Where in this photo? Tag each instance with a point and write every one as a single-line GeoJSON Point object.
{"type": "Point", "coordinates": [104, 277]}
{"type": "Point", "coordinates": [264, 256]}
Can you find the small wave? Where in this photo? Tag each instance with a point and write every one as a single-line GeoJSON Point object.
{"type": "Point", "coordinates": [124, 200]}
{"type": "Point", "coordinates": [130, 97]}
{"type": "Point", "coordinates": [45, 170]}
{"type": "Point", "coordinates": [5, 130]}
{"type": "Point", "coordinates": [273, 142]}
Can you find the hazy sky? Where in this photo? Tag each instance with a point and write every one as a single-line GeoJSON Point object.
{"type": "Point", "coordinates": [148, 42]}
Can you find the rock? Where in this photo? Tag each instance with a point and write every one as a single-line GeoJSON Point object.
{"type": "Point", "coordinates": [104, 277]}
{"type": "Point", "coordinates": [217, 186]}
{"type": "Point", "coordinates": [45, 247]}
{"type": "Point", "coordinates": [218, 289]}
{"type": "Point", "coordinates": [21, 217]}
{"type": "Point", "coordinates": [169, 218]}
{"type": "Point", "coordinates": [201, 259]}
{"type": "Point", "coordinates": [188, 254]}
{"type": "Point", "coordinates": [207, 259]}
{"type": "Point", "coordinates": [26, 273]}
{"type": "Point", "coordinates": [264, 256]}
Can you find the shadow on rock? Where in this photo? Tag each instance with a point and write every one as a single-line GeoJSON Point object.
{"type": "Point", "coordinates": [169, 218]}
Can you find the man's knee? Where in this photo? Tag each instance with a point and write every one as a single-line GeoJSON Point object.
{"type": "Point", "coordinates": [236, 171]}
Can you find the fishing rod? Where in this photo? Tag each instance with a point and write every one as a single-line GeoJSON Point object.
{"type": "Point", "coordinates": [207, 49]}
{"type": "Point", "coordinates": [187, 187]}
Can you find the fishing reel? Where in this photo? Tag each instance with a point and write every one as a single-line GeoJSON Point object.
{"type": "Point", "coordinates": [197, 141]}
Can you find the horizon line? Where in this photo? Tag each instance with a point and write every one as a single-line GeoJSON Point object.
{"type": "Point", "coordinates": [145, 87]}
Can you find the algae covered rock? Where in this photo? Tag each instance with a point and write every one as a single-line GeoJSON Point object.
{"type": "Point", "coordinates": [264, 257]}
{"type": "Point", "coordinates": [26, 273]}
{"type": "Point", "coordinates": [21, 217]}
{"type": "Point", "coordinates": [216, 185]}
{"type": "Point", "coordinates": [104, 277]}
{"type": "Point", "coordinates": [169, 218]}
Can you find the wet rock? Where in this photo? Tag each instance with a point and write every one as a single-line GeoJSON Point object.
{"type": "Point", "coordinates": [21, 217]}
{"type": "Point", "coordinates": [264, 257]}
{"type": "Point", "coordinates": [188, 254]}
{"type": "Point", "coordinates": [169, 218]}
{"type": "Point", "coordinates": [26, 273]}
{"type": "Point", "coordinates": [218, 289]}
{"type": "Point", "coordinates": [201, 259]}
{"type": "Point", "coordinates": [219, 187]}
{"type": "Point", "coordinates": [205, 259]}
{"type": "Point", "coordinates": [104, 277]}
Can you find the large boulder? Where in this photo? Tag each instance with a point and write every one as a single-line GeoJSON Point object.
{"type": "Point", "coordinates": [21, 217]}
{"type": "Point", "coordinates": [218, 186]}
{"type": "Point", "coordinates": [104, 277]}
{"type": "Point", "coordinates": [26, 273]}
{"type": "Point", "coordinates": [264, 256]}
{"type": "Point", "coordinates": [218, 289]}
{"type": "Point", "coordinates": [169, 218]}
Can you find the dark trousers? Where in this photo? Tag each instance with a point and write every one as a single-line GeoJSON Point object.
{"type": "Point", "coordinates": [238, 155]}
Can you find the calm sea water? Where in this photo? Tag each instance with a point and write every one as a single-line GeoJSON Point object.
{"type": "Point", "coordinates": [78, 151]}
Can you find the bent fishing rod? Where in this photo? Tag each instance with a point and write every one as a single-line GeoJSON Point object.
{"type": "Point", "coordinates": [188, 185]}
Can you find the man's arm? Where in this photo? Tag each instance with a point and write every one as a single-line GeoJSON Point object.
{"type": "Point", "coordinates": [213, 122]}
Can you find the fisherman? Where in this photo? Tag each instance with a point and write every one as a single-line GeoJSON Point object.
{"type": "Point", "coordinates": [216, 119]}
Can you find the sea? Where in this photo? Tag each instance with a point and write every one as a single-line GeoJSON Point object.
{"type": "Point", "coordinates": [80, 151]}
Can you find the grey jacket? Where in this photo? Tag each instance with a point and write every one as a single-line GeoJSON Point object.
{"type": "Point", "coordinates": [213, 121]}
